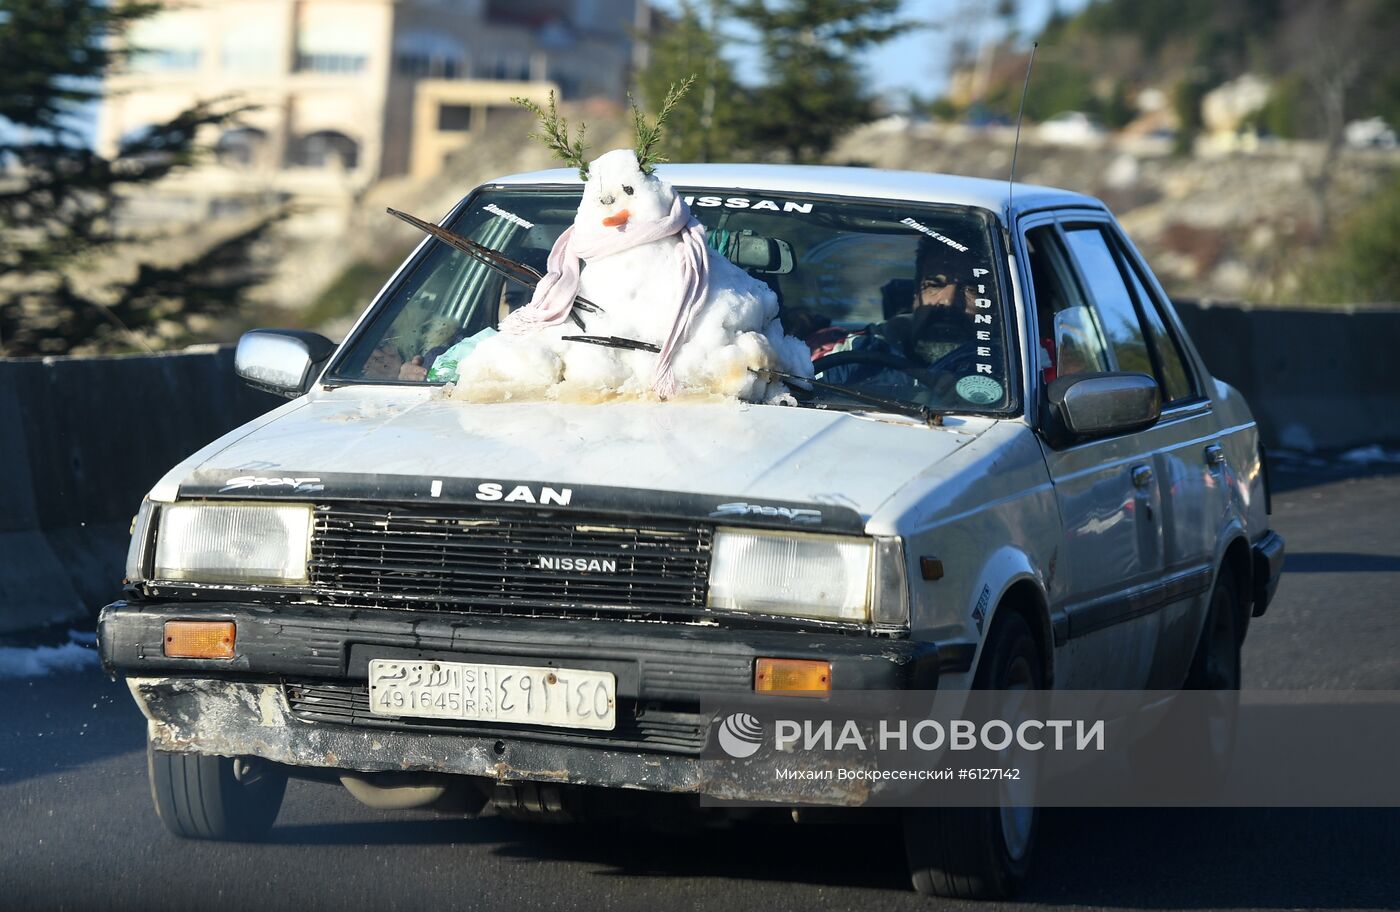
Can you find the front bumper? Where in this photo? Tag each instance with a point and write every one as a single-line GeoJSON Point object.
{"type": "Point", "coordinates": [1268, 567]}
{"type": "Point", "coordinates": [256, 703]}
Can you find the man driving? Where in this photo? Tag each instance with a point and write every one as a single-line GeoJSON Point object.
{"type": "Point", "coordinates": [930, 322]}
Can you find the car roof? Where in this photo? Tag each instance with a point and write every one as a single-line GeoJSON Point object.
{"type": "Point", "coordinates": [871, 183]}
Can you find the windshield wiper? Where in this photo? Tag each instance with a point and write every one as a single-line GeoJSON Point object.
{"type": "Point", "coordinates": [895, 406]}
{"type": "Point", "coordinates": [616, 342]}
{"type": "Point", "coordinates": [898, 406]}
{"type": "Point", "coordinates": [497, 262]}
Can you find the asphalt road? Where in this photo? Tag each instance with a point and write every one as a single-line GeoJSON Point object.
{"type": "Point", "coordinates": [77, 830]}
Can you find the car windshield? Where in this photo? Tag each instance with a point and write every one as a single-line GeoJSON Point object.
{"type": "Point", "coordinates": [900, 301]}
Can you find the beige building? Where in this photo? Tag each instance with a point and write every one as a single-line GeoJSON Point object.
{"type": "Point", "coordinates": [351, 91]}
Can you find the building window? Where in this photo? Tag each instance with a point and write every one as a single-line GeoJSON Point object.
{"type": "Point", "coordinates": [166, 59]}
{"type": "Point", "coordinates": [331, 63]}
{"type": "Point", "coordinates": [249, 47]}
{"type": "Point", "coordinates": [143, 144]}
{"type": "Point", "coordinates": [429, 55]}
{"type": "Point", "coordinates": [505, 66]}
{"type": "Point", "coordinates": [163, 43]}
{"type": "Point", "coordinates": [328, 43]}
{"type": "Point", "coordinates": [454, 118]}
{"type": "Point", "coordinates": [422, 66]}
{"type": "Point", "coordinates": [241, 147]}
{"type": "Point", "coordinates": [326, 149]}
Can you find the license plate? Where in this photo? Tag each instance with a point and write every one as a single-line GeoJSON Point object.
{"type": "Point", "coordinates": [523, 694]}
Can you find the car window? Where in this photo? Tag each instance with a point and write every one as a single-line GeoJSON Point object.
{"type": "Point", "coordinates": [1175, 380]}
{"type": "Point", "coordinates": [450, 297]}
{"type": "Point", "coordinates": [1070, 339]}
{"type": "Point", "coordinates": [1117, 315]}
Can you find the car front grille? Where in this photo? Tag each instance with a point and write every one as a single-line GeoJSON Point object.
{"type": "Point", "coordinates": [650, 728]}
{"type": "Point", "coordinates": [534, 564]}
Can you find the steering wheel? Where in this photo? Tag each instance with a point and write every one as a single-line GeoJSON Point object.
{"type": "Point", "coordinates": [949, 362]}
{"type": "Point", "coordinates": [924, 373]}
{"type": "Point", "coordinates": [868, 356]}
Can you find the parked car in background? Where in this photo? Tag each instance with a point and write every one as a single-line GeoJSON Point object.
{"type": "Point", "coordinates": [1071, 128]}
{"type": "Point", "coordinates": [1371, 133]}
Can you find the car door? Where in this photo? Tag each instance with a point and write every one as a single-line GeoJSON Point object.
{"type": "Point", "coordinates": [1177, 450]}
{"type": "Point", "coordinates": [1107, 490]}
{"type": "Point", "coordinates": [1193, 467]}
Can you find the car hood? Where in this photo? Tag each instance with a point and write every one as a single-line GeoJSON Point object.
{"type": "Point", "coordinates": [389, 437]}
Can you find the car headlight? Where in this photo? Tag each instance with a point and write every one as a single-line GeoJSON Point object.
{"type": "Point", "coordinates": [791, 574]}
{"type": "Point", "coordinates": [233, 543]}
{"type": "Point", "coordinates": [140, 537]}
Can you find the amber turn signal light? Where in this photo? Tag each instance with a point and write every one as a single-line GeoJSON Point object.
{"type": "Point", "coordinates": [798, 677]}
{"type": "Point", "coordinates": [199, 639]}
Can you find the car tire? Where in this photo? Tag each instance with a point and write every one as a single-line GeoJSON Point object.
{"type": "Point", "coordinates": [201, 796]}
{"type": "Point", "coordinates": [981, 852]}
{"type": "Point", "coordinates": [1216, 667]}
{"type": "Point", "coordinates": [1187, 757]}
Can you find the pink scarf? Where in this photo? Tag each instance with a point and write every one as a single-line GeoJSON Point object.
{"type": "Point", "coordinates": [554, 295]}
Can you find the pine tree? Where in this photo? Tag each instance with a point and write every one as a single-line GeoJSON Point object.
{"type": "Point", "coordinates": [705, 123]}
{"type": "Point", "coordinates": [59, 199]}
{"type": "Point", "coordinates": [814, 89]}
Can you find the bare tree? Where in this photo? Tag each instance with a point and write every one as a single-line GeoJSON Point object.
{"type": "Point", "coordinates": [1334, 48]}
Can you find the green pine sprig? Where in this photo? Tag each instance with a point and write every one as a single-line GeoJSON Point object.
{"type": "Point", "coordinates": [554, 133]}
{"type": "Point", "coordinates": [649, 134]}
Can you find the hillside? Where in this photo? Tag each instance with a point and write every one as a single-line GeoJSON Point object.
{"type": "Point", "coordinates": [1323, 62]}
{"type": "Point", "coordinates": [1232, 226]}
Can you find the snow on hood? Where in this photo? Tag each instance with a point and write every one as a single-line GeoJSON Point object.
{"type": "Point", "coordinates": [712, 448]}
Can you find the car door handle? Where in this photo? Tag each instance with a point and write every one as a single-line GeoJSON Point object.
{"type": "Point", "coordinates": [1142, 476]}
{"type": "Point", "coordinates": [1215, 456]}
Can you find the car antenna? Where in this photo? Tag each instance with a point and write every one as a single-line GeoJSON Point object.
{"type": "Point", "coordinates": [1020, 113]}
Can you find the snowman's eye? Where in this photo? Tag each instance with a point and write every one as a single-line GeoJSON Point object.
{"type": "Point", "coordinates": [626, 189]}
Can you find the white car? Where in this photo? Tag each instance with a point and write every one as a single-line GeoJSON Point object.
{"type": "Point", "coordinates": [1016, 471]}
{"type": "Point", "coordinates": [1371, 133]}
{"type": "Point", "coordinates": [1071, 128]}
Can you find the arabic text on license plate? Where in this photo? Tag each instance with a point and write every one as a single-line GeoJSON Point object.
{"type": "Point", "coordinates": [562, 697]}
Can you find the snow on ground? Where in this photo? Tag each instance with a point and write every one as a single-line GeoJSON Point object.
{"type": "Point", "coordinates": [38, 661]}
{"type": "Point", "coordinates": [1370, 455]}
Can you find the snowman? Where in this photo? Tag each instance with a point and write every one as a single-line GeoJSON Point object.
{"type": "Point", "coordinates": [635, 251]}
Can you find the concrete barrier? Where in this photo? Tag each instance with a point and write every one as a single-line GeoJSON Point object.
{"type": "Point", "coordinates": [1315, 379]}
{"type": "Point", "coordinates": [83, 439]}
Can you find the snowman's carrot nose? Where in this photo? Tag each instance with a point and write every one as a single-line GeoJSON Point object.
{"type": "Point", "coordinates": [617, 221]}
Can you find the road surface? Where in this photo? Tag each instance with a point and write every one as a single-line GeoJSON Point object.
{"type": "Point", "coordinates": [77, 830]}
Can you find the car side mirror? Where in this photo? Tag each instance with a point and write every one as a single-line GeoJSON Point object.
{"type": "Point", "coordinates": [284, 362]}
{"type": "Point", "coordinates": [1089, 405]}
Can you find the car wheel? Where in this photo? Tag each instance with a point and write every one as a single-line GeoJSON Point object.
{"type": "Point", "coordinates": [1216, 668]}
{"type": "Point", "coordinates": [985, 852]}
{"type": "Point", "coordinates": [1187, 757]}
{"type": "Point", "coordinates": [200, 796]}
